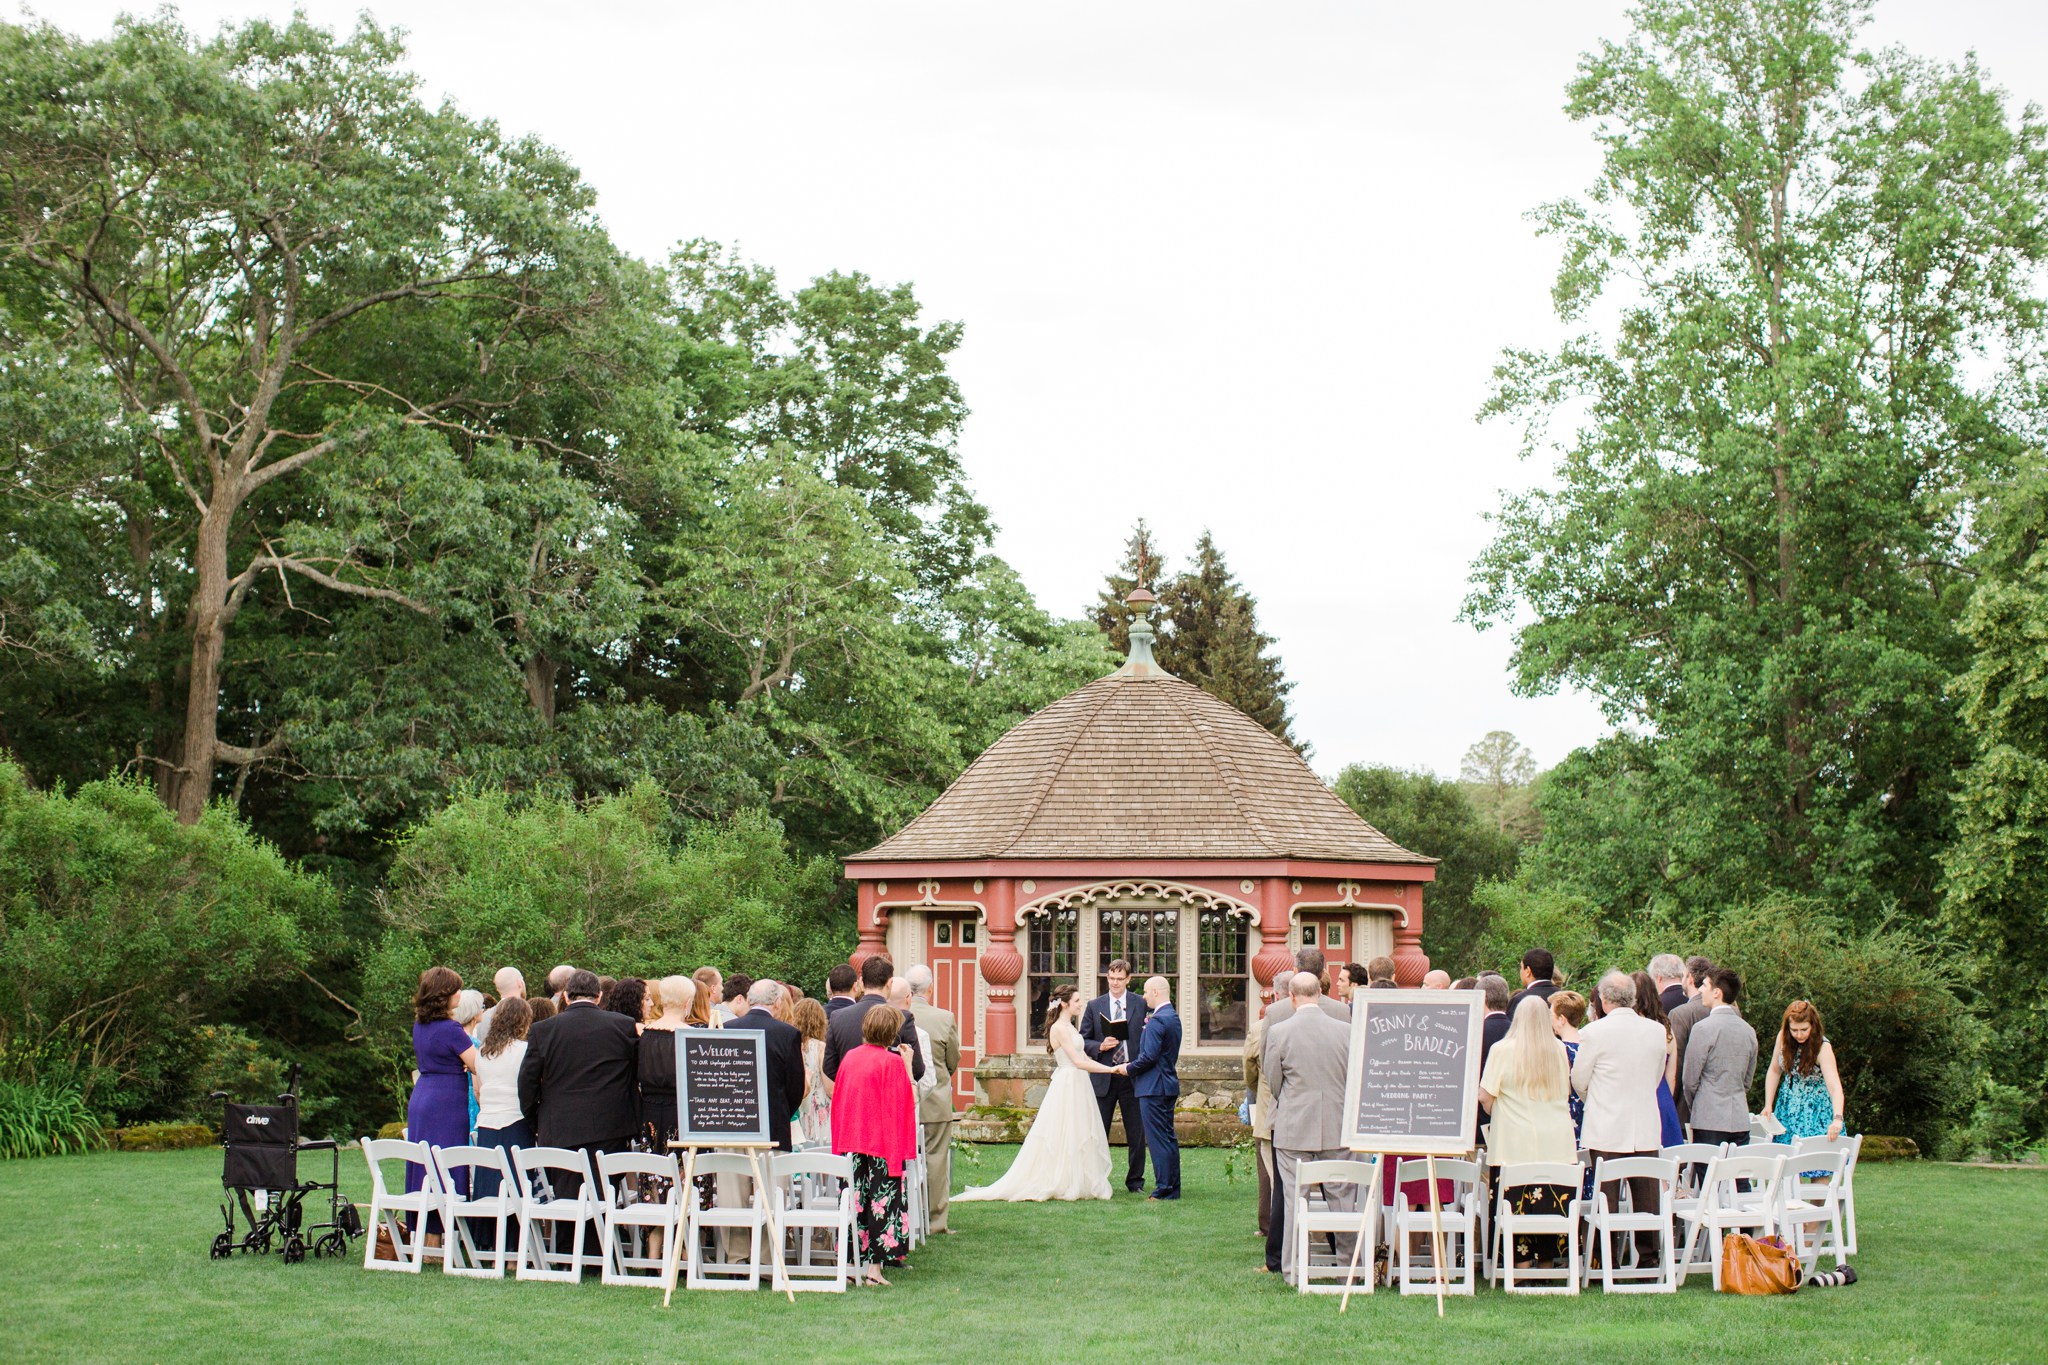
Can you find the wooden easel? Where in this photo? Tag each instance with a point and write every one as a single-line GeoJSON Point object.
{"type": "Point", "coordinates": [760, 1159]}
{"type": "Point", "coordinates": [1436, 1237]}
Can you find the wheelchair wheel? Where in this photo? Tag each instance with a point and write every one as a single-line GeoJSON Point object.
{"type": "Point", "coordinates": [333, 1244]}
{"type": "Point", "coordinates": [294, 1248]}
{"type": "Point", "coordinates": [223, 1246]}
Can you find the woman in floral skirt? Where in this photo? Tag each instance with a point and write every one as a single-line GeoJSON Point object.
{"type": "Point", "coordinates": [874, 1120]}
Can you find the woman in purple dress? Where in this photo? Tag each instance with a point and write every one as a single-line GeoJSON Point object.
{"type": "Point", "coordinates": [438, 1114]}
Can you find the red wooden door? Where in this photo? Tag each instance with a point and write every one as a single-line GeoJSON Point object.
{"type": "Point", "coordinates": [952, 942]}
{"type": "Point", "coordinates": [1332, 934]}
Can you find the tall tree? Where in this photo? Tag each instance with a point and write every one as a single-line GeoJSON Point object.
{"type": "Point", "coordinates": [320, 298]}
{"type": "Point", "coordinates": [1208, 628]}
{"type": "Point", "coordinates": [1753, 546]}
{"type": "Point", "coordinates": [1997, 888]}
{"type": "Point", "coordinates": [1499, 771]}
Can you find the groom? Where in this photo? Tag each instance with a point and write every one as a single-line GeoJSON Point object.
{"type": "Point", "coordinates": [1157, 1085]}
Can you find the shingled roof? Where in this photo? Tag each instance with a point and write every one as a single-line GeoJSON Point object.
{"type": "Point", "coordinates": [1139, 765]}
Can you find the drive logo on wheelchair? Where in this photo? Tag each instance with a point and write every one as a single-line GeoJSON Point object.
{"type": "Point", "coordinates": [258, 1118]}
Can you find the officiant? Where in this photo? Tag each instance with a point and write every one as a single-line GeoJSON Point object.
{"type": "Point", "coordinates": [1108, 1026]}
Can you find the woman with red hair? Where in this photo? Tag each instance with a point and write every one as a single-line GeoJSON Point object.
{"type": "Point", "coordinates": [1803, 1088]}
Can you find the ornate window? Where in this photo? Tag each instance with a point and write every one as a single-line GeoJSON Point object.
{"type": "Point", "coordinates": [1147, 939]}
{"type": "Point", "coordinates": [1052, 958]}
{"type": "Point", "coordinates": [1221, 977]}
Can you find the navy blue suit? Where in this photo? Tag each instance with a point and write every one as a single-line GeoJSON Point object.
{"type": "Point", "coordinates": [1157, 1083]}
{"type": "Point", "coordinates": [1116, 1092]}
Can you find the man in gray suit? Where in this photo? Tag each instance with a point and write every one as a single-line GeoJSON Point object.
{"type": "Point", "coordinates": [1304, 1064]}
{"type": "Point", "coordinates": [1720, 1063]}
{"type": "Point", "coordinates": [1308, 960]}
{"type": "Point", "coordinates": [935, 1106]}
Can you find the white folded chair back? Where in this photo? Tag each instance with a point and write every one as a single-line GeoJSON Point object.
{"type": "Point", "coordinates": [1507, 1224]}
{"type": "Point", "coordinates": [917, 1204]}
{"type": "Point", "coordinates": [558, 1202]}
{"type": "Point", "coordinates": [726, 1222]}
{"type": "Point", "coordinates": [1333, 1200]}
{"type": "Point", "coordinates": [465, 1212]}
{"type": "Point", "coordinates": [1607, 1223]}
{"type": "Point", "coordinates": [630, 1219]}
{"type": "Point", "coordinates": [1851, 1147]}
{"type": "Point", "coordinates": [1741, 1192]}
{"type": "Point", "coordinates": [1412, 1230]}
{"type": "Point", "coordinates": [1812, 1206]}
{"type": "Point", "coordinates": [387, 1159]}
{"type": "Point", "coordinates": [812, 1196]}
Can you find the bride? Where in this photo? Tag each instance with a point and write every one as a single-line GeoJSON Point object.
{"type": "Point", "coordinates": [1066, 1153]}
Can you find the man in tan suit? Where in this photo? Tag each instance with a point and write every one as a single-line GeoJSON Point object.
{"type": "Point", "coordinates": [1304, 1063]}
{"type": "Point", "coordinates": [935, 1106]}
{"type": "Point", "coordinates": [1261, 1097]}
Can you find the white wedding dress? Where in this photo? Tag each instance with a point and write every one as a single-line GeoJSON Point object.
{"type": "Point", "coordinates": [1066, 1153]}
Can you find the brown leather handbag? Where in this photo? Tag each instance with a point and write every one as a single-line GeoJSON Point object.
{"type": "Point", "coordinates": [1757, 1266]}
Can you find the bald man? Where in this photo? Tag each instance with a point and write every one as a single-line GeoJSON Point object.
{"type": "Point", "coordinates": [1155, 1079]}
{"type": "Point", "coordinates": [1436, 979]}
{"type": "Point", "coordinates": [510, 985]}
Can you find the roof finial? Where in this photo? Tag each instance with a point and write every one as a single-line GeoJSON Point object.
{"type": "Point", "coordinates": [1141, 663]}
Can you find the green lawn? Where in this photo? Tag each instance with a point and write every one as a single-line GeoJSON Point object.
{"type": "Point", "coordinates": [103, 1257]}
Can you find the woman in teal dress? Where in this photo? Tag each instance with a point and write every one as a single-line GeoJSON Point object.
{"type": "Point", "coordinates": [1803, 1088]}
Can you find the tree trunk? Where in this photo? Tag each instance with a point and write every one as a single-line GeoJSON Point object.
{"type": "Point", "coordinates": [208, 622]}
{"type": "Point", "coordinates": [540, 685]}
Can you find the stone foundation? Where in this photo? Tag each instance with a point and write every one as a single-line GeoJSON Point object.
{"type": "Point", "coordinates": [1008, 1091]}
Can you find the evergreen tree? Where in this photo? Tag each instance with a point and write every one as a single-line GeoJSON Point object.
{"type": "Point", "coordinates": [1208, 629]}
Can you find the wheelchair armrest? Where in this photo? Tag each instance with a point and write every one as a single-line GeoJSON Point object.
{"type": "Point", "coordinates": [316, 1144]}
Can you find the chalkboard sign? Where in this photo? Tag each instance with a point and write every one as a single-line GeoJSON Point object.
{"type": "Point", "coordinates": [721, 1087]}
{"type": "Point", "coordinates": [1413, 1085]}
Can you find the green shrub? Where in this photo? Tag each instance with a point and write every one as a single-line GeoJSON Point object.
{"type": "Point", "coordinates": [1999, 1125]}
{"type": "Point", "coordinates": [227, 1058]}
{"type": "Point", "coordinates": [122, 931]}
{"type": "Point", "coordinates": [45, 1118]}
{"type": "Point", "coordinates": [163, 1137]}
{"type": "Point", "coordinates": [490, 881]}
{"type": "Point", "coordinates": [1907, 1046]}
{"type": "Point", "coordinates": [1521, 918]}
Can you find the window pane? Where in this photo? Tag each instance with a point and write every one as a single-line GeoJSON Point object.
{"type": "Point", "coordinates": [1052, 952]}
{"type": "Point", "coordinates": [1222, 978]}
{"type": "Point", "coordinates": [1147, 939]}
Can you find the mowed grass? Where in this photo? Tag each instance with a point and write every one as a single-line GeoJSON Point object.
{"type": "Point", "coordinates": [103, 1257]}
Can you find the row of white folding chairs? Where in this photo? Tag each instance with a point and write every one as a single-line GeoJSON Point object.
{"type": "Point", "coordinates": [809, 1194]}
{"type": "Point", "coordinates": [1711, 1189]}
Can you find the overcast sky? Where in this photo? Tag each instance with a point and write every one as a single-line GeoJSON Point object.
{"type": "Point", "coordinates": [1244, 267]}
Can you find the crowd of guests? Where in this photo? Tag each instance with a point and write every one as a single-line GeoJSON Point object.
{"type": "Point", "coordinates": [1626, 1069]}
{"type": "Point", "coordinates": [588, 1064]}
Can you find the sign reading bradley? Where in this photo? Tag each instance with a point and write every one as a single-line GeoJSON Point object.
{"type": "Point", "coordinates": [722, 1087]}
{"type": "Point", "coordinates": [1413, 1086]}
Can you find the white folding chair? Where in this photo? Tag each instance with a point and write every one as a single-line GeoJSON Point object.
{"type": "Point", "coordinates": [1850, 1148]}
{"type": "Point", "coordinates": [1724, 1206]}
{"type": "Point", "coordinates": [1461, 1219]}
{"type": "Point", "coordinates": [1814, 1206]}
{"type": "Point", "coordinates": [1605, 1222]}
{"type": "Point", "coordinates": [752, 1216]}
{"type": "Point", "coordinates": [1507, 1223]}
{"type": "Point", "coordinates": [631, 1256]}
{"type": "Point", "coordinates": [462, 1209]}
{"type": "Point", "coordinates": [1692, 1159]}
{"type": "Point", "coordinates": [388, 1209]}
{"type": "Point", "coordinates": [917, 1215]}
{"type": "Point", "coordinates": [812, 1193]}
{"type": "Point", "coordinates": [543, 1173]}
{"type": "Point", "coordinates": [1323, 1212]}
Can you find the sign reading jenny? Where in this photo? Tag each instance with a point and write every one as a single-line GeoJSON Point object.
{"type": "Point", "coordinates": [1413, 1083]}
{"type": "Point", "coordinates": [721, 1087]}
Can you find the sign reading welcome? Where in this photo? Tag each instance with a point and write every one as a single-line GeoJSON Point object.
{"type": "Point", "coordinates": [1413, 1083]}
{"type": "Point", "coordinates": [721, 1087]}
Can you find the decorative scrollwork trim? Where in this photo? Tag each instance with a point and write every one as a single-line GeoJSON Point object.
{"type": "Point", "coordinates": [1201, 898]}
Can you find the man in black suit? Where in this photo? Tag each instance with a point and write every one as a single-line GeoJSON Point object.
{"type": "Point", "coordinates": [1114, 1092]}
{"type": "Point", "coordinates": [580, 1083]}
{"type": "Point", "coordinates": [842, 1031]}
{"type": "Point", "coordinates": [839, 988]}
{"type": "Point", "coordinates": [1667, 973]}
{"type": "Point", "coordinates": [1494, 1027]}
{"type": "Point", "coordinates": [1537, 968]}
{"type": "Point", "coordinates": [785, 1053]}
